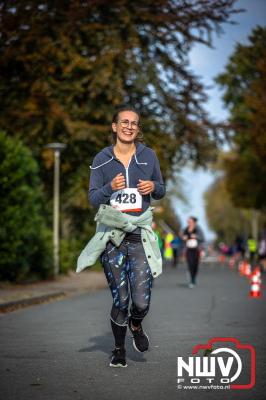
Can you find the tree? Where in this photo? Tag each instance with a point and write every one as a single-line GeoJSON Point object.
{"type": "Point", "coordinates": [166, 214]}
{"type": "Point", "coordinates": [67, 64]}
{"type": "Point", "coordinates": [224, 219]}
{"type": "Point", "coordinates": [24, 244]}
{"type": "Point", "coordinates": [244, 82]}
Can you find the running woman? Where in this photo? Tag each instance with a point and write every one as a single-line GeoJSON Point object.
{"type": "Point", "coordinates": [193, 238]}
{"type": "Point", "coordinates": [124, 177]}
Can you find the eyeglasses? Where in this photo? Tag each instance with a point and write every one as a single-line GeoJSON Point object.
{"type": "Point", "coordinates": [125, 124]}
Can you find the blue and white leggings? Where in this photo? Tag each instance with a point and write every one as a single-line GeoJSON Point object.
{"type": "Point", "coordinates": [127, 267]}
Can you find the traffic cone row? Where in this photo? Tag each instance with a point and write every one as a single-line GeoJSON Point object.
{"type": "Point", "coordinates": [244, 269]}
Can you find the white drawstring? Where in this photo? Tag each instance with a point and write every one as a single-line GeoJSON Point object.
{"type": "Point", "coordinates": [98, 166]}
{"type": "Point", "coordinates": [143, 163]}
{"type": "Point", "coordinates": [106, 162]}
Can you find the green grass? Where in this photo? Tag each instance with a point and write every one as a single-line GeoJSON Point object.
{"type": "Point", "coordinates": [97, 266]}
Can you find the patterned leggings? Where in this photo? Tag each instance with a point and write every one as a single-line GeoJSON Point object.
{"type": "Point", "coordinates": [126, 266]}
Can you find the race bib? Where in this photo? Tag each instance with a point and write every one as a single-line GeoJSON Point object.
{"type": "Point", "coordinates": [128, 199]}
{"type": "Point", "coordinates": [192, 243]}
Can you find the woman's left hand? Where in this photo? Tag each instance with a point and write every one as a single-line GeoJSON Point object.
{"type": "Point", "coordinates": [145, 187]}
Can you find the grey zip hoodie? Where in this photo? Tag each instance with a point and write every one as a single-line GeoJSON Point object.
{"type": "Point", "coordinates": [143, 165]}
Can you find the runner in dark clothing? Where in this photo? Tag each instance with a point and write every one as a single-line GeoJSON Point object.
{"type": "Point", "coordinates": [125, 176]}
{"type": "Point", "coordinates": [193, 238]}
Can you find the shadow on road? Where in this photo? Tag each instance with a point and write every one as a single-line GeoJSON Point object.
{"type": "Point", "coordinates": [182, 285]}
{"type": "Point", "coordinates": [99, 343]}
{"type": "Point", "coordinates": [105, 344]}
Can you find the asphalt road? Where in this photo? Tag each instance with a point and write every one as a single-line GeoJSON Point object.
{"type": "Point", "coordinates": [60, 350]}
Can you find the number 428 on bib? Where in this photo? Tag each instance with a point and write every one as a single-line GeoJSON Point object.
{"type": "Point", "coordinates": [128, 199]}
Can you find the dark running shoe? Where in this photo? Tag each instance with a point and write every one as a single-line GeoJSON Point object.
{"type": "Point", "coordinates": [118, 358]}
{"type": "Point", "coordinates": [140, 338]}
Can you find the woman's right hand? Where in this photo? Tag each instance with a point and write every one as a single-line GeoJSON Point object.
{"type": "Point", "coordinates": [118, 182]}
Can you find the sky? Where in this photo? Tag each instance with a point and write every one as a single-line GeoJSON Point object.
{"type": "Point", "coordinates": [208, 63]}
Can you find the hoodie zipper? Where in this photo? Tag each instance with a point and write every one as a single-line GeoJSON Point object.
{"type": "Point", "coordinates": [127, 176]}
{"type": "Point", "coordinates": [126, 168]}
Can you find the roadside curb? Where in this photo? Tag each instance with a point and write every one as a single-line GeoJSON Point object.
{"type": "Point", "coordinates": [17, 304]}
{"type": "Point", "coordinates": [15, 297]}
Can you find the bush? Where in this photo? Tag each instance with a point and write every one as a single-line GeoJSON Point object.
{"type": "Point", "coordinates": [70, 249]}
{"type": "Point", "coordinates": [69, 252]}
{"type": "Point", "coordinates": [24, 239]}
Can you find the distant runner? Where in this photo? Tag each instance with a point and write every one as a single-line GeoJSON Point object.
{"type": "Point", "coordinates": [193, 238]}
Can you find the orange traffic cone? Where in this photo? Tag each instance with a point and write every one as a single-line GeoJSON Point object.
{"type": "Point", "coordinates": [221, 258]}
{"type": "Point", "coordinates": [255, 286]}
{"type": "Point", "coordinates": [247, 270]}
{"type": "Point", "coordinates": [244, 268]}
{"type": "Point", "coordinates": [241, 267]}
{"type": "Point", "coordinates": [232, 262]}
{"type": "Point", "coordinates": [257, 272]}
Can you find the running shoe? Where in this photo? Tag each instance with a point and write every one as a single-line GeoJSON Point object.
{"type": "Point", "coordinates": [118, 358]}
{"type": "Point", "coordinates": [140, 338]}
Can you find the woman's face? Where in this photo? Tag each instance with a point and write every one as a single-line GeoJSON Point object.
{"type": "Point", "coordinates": [191, 223]}
{"type": "Point", "coordinates": [126, 127]}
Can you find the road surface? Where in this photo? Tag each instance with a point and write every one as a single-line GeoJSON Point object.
{"type": "Point", "coordinates": [60, 350]}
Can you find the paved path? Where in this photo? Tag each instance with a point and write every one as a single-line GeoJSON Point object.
{"type": "Point", "coordinates": [13, 296]}
{"type": "Point", "coordinates": [59, 350]}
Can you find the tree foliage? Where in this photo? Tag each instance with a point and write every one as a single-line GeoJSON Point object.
{"type": "Point", "coordinates": [167, 214]}
{"type": "Point", "coordinates": [224, 219]}
{"type": "Point", "coordinates": [24, 245]}
{"type": "Point", "coordinates": [67, 64]}
{"type": "Point", "coordinates": [244, 82]}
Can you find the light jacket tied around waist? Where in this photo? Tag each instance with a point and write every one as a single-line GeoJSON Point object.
{"type": "Point", "coordinates": [112, 225]}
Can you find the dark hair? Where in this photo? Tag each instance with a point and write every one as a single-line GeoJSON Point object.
{"type": "Point", "coordinates": [139, 137]}
{"type": "Point", "coordinates": [194, 218]}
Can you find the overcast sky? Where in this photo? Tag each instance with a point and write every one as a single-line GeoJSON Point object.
{"type": "Point", "coordinates": [208, 63]}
